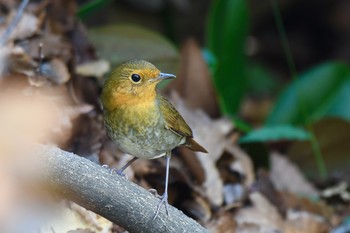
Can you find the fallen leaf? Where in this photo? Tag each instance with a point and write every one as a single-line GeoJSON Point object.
{"type": "Point", "coordinates": [304, 204]}
{"type": "Point", "coordinates": [93, 69]}
{"type": "Point", "coordinates": [222, 223]}
{"type": "Point", "coordinates": [243, 163]}
{"type": "Point", "coordinates": [212, 135]}
{"type": "Point", "coordinates": [193, 83]}
{"type": "Point", "coordinates": [83, 142]}
{"type": "Point", "coordinates": [281, 172]}
{"type": "Point", "coordinates": [54, 46]}
{"type": "Point", "coordinates": [77, 218]}
{"type": "Point", "coordinates": [26, 27]}
{"type": "Point", "coordinates": [13, 59]}
{"type": "Point", "coordinates": [208, 132]}
{"type": "Point", "coordinates": [261, 214]}
{"type": "Point", "coordinates": [55, 70]}
{"type": "Point", "coordinates": [198, 208]}
{"type": "Point", "coordinates": [264, 185]}
{"type": "Point", "coordinates": [304, 222]}
{"type": "Point", "coordinates": [234, 193]}
{"type": "Point", "coordinates": [338, 191]}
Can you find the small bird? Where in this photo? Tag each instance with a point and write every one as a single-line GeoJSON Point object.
{"type": "Point", "coordinates": [139, 120]}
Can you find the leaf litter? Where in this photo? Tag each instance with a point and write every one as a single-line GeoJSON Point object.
{"type": "Point", "coordinates": [56, 87]}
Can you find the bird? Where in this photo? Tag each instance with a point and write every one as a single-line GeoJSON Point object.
{"type": "Point", "coordinates": [140, 121]}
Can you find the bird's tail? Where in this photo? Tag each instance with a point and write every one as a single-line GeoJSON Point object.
{"type": "Point", "coordinates": [193, 145]}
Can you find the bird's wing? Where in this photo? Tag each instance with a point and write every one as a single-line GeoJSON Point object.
{"type": "Point", "coordinates": [173, 119]}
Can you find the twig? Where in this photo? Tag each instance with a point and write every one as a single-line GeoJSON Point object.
{"type": "Point", "coordinates": [41, 58]}
{"type": "Point", "coordinates": [13, 24]}
{"type": "Point", "coordinates": [109, 195]}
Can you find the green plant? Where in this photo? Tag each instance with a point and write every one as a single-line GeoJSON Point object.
{"type": "Point", "coordinates": [226, 34]}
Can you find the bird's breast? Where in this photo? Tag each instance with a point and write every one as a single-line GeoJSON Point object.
{"type": "Point", "coordinates": [140, 130]}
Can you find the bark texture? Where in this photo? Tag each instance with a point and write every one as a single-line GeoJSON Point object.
{"type": "Point", "coordinates": [109, 195]}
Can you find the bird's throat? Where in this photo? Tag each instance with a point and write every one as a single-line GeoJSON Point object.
{"type": "Point", "coordinates": [136, 115]}
{"type": "Point", "coordinates": [127, 100]}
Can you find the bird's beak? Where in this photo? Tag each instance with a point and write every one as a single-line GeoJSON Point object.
{"type": "Point", "coordinates": [163, 76]}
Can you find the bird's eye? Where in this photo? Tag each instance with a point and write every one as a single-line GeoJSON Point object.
{"type": "Point", "coordinates": [135, 78]}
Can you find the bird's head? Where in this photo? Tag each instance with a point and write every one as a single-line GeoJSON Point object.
{"type": "Point", "coordinates": [131, 82]}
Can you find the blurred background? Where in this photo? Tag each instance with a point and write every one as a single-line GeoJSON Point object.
{"type": "Point", "coordinates": [276, 65]}
{"type": "Point", "coordinates": [265, 85]}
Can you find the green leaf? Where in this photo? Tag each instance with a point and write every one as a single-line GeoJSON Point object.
{"type": "Point", "coordinates": [242, 125]}
{"type": "Point", "coordinates": [275, 133]}
{"type": "Point", "coordinates": [322, 91]}
{"type": "Point", "coordinates": [338, 105]}
{"type": "Point", "coordinates": [119, 43]}
{"type": "Point", "coordinates": [260, 81]}
{"type": "Point", "coordinates": [91, 6]}
{"type": "Point", "coordinates": [226, 35]}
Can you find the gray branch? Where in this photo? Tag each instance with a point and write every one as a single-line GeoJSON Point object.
{"type": "Point", "coordinates": [109, 195]}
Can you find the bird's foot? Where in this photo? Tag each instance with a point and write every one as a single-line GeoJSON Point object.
{"type": "Point", "coordinates": [163, 200]}
{"type": "Point", "coordinates": [114, 170]}
{"type": "Point", "coordinates": [120, 172]}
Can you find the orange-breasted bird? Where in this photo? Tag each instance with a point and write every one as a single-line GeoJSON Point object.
{"type": "Point", "coordinates": [139, 120]}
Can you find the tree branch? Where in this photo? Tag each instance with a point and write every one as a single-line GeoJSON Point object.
{"type": "Point", "coordinates": [109, 195]}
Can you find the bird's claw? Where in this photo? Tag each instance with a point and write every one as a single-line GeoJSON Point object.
{"type": "Point", "coordinates": [163, 200]}
{"type": "Point", "coordinates": [108, 168]}
{"type": "Point", "coordinates": [154, 193]}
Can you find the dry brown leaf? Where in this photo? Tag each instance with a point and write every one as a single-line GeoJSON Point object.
{"type": "Point", "coordinates": [281, 172]}
{"type": "Point", "coordinates": [54, 45]}
{"type": "Point", "coordinates": [212, 135]}
{"type": "Point", "coordinates": [13, 59]}
{"type": "Point", "coordinates": [65, 114]}
{"type": "Point", "coordinates": [243, 163]}
{"type": "Point", "coordinates": [56, 70]}
{"type": "Point", "coordinates": [195, 168]}
{"type": "Point", "coordinates": [264, 185]}
{"type": "Point", "coordinates": [261, 215]}
{"type": "Point", "coordinates": [77, 218]}
{"type": "Point", "coordinates": [209, 133]}
{"type": "Point", "coordinates": [48, 116]}
{"type": "Point", "coordinates": [83, 142]}
{"type": "Point", "coordinates": [304, 204]}
{"type": "Point", "coordinates": [213, 184]}
{"type": "Point", "coordinates": [26, 27]}
{"type": "Point", "coordinates": [198, 208]}
{"type": "Point", "coordinates": [304, 222]}
{"type": "Point", "coordinates": [234, 193]}
{"type": "Point", "coordinates": [194, 80]}
{"type": "Point", "coordinates": [222, 223]}
{"type": "Point", "coordinates": [93, 69]}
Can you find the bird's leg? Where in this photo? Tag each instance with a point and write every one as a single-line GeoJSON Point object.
{"type": "Point", "coordinates": [121, 170]}
{"type": "Point", "coordinates": [164, 198]}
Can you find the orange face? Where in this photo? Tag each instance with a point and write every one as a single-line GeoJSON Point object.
{"type": "Point", "coordinates": [132, 82]}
